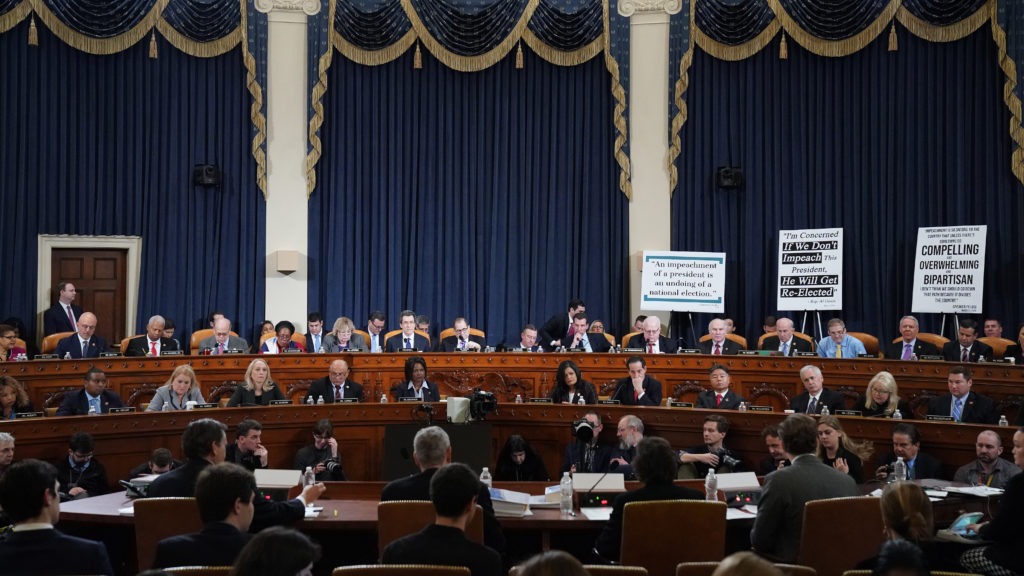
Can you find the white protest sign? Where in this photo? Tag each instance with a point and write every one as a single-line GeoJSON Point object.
{"type": "Point", "coordinates": [811, 269]}
{"type": "Point", "coordinates": [949, 269]}
{"type": "Point", "coordinates": [683, 281]}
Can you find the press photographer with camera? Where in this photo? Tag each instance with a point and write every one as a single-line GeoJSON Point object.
{"type": "Point", "coordinates": [712, 454]}
{"type": "Point", "coordinates": [322, 455]}
{"type": "Point", "coordinates": [586, 453]}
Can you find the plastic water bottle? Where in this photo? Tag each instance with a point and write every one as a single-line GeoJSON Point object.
{"type": "Point", "coordinates": [711, 486]}
{"type": "Point", "coordinates": [308, 478]}
{"type": "Point", "coordinates": [899, 470]}
{"type": "Point", "coordinates": [824, 410]}
{"type": "Point", "coordinates": [579, 400]}
{"type": "Point", "coordinates": [566, 503]}
{"type": "Point", "coordinates": [309, 400]}
{"type": "Point", "coordinates": [92, 410]}
{"type": "Point", "coordinates": [743, 407]}
{"type": "Point", "coordinates": [320, 399]}
{"type": "Point", "coordinates": [897, 415]}
{"type": "Point", "coordinates": [167, 407]}
{"type": "Point", "coordinates": [485, 477]}
{"type": "Point", "coordinates": [519, 398]}
{"type": "Point", "coordinates": [383, 398]}
{"type": "Point", "coordinates": [1003, 421]}
{"type": "Point", "coordinates": [67, 356]}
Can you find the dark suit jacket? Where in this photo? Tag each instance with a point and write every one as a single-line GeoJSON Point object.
{"type": "Point", "coordinates": [1006, 530]}
{"type": "Point", "coordinates": [925, 466]}
{"type": "Point", "coordinates": [217, 544]}
{"type": "Point", "coordinates": [417, 487]}
{"type": "Point", "coordinates": [451, 343]}
{"type": "Point", "coordinates": [323, 387]}
{"type": "Point", "coordinates": [248, 461]}
{"type": "Point", "coordinates": [55, 319]}
{"type": "Point", "coordinates": [651, 397]}
{"type": "Point", "coordinates": [77, 403]}
{"type": "Point", "coordinates": [443, 546]}
{"type": "Point", "coordinates": [396, 343]}
{"type": "Point", "coordinates": [49, 552]}
{"type": "Point", "coordinates": [560, 394]}
{"type": "Point", "coordinates": [430, 393]}
{"type": "Point", "coordinates": [599, 461]}
{"type": "Point", "coordinates": [139, 346]}
{"type": "Point", "coordinates": [834, 401]}
{"type": "Point", "coordinates": [93, 479]}
{"type": "Point", "coordinates": [598, 343]}
{"type": "Point", "coordinates": [796, 345]}
{"type": "Point", "coordinates": [977, 409]}
{"type": "Point", "coordinates": [243, 397]}
{"type": "Point", "coordinates": [666, 345]}
{"type": "Point", "coordinates": [728, 347]}
{"type": "Point", "coordinates": [73, 346]}
{"type": "Point", "coordinates": [894, 350]}
{"type": "Point", "coordinates": [730, 401]}
{"type": "Point", "coordinates": [554, 329]}
{"type": "Point", "coordinates": [1013, 351]}
{"type": "Point", "coordinates": [951, 351]}
{"type": "Point", "coordinates": [609, 541]}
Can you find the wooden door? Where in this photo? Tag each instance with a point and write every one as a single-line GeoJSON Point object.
{"type": "Point", "coordinates": [99, 277]}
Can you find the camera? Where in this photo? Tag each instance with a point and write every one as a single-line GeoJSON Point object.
{"type": "Point", "coordinates": [727, 459]}
{"type": "Point", "coordinates": [583, 430]}
{"type": "Point", "coordinates": [332, 464]}
{"type": "Point", "coordinates": [481, 404]}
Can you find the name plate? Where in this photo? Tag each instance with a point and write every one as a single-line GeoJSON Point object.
{"type": "Point", "coordinates": [992, 361]}
{"type": "Point", "coordinates": [279, 402]}
{"type": "Point", "coordinates": [633, 350]}
{"type": "Point", "coordinates": [674, 404]}
{"type": "Point", "coordinates": [930, 357]}
{"type": "Point", "coordinates": [867, 355]}
{"type": "Point", "coordinates": [122, 410]}
{"type": "Point", "coordinates": [541, 401]}
{"type": "Point", "coordinates": [847, 413]}
{"type": "Point", "coordinates": [938, 418]}
{"type": "Point", "coordinates": [46, 357]}
{"type": "Point", "coordinates": [172, 352]}
{"type": "Point", "coordinates": [291, 351]}
{"type": "Point", "coordinates": [346, 401]}
{"type": "Point", "coordinates": [21, 415]}
{"type": "Point", "coordinates": [234, 351]}
{"type": "Point", "coordinates": [109, 354]}
{"type": "Point", "coordinates": [410, 399]}
{"type": "Point", "coordinates": [748, 352]}
{"type": "Point", "coordinates": [753, 408]}
{"type": "Point", "coordinates": [609, 402]}
{"type": "Point", "coordinates": [804, 354]}
{"type": "Point", "coordinates": [688, 351]}
{"type": "Point", "coordinates": [207, 405]}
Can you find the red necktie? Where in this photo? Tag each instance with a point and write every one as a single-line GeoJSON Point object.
{"type": "Point", "coordinates": [964, 355]}
{"type": "Point", "coordinates": [718, 400]}
{"type": "Point", "coordinates": [337, 392]}
{"type": "Point", "coordinates": [650, 348]}
{"type": "Point", "coordinates": [152, 347]}
{"type": "Point", "coordinates": [71, 317]}
{"type": "Point", "coordinates": [718, 350]}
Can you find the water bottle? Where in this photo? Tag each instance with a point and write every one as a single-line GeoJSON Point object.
{"type": "Point", "coordinates": [579, 400]}
{"type": "Point", "coordinates": [519, 398]}
{"type": "Point", "coordinates": [899, 470]}
{"type": "Point", "coordinates": [309, 400]}
{"type": "Point", "coordinates": [308, 478]}
{"type": "Point", "coordinates": [897, 415]}
{"type": "Point", "coordinates": [485, 477]}
{"type": "Point", "coordinates": [92, 410]}
{"type": "Point", "coordinates": [67, 356]}
{"type": "Point", "coordinates": [566, 485]}
{"type": "Point", "coordinates": [825, 410]}
{"type": "Point", "coordinates": [1003, 421]}
{"type": "Point", "coordinates": [711, 486]}
{"type": "Point", "coordinates": [618, 348]}
{"type": "Point", "coordinates": [383, 398]}
{"type": "Point", "coordinates": [320, 399]}
{"type": "Point", "coordinates": [166, 407]}
{"type": "Point", "coordinates": [743, 407]}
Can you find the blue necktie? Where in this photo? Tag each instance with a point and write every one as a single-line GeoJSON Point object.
{"type": "Point", "coordinates": [958, 405]}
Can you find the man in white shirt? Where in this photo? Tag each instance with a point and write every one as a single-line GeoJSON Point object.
{"type": "Point", "coordinates": [375, 328]}
{"type": "Point", "coordinates": [314, 332]}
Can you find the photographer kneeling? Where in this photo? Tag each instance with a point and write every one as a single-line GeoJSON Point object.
{"type": "Point", "coordinates": [322, 455]}
{"type": "Point", "coordinates": [697, 461]}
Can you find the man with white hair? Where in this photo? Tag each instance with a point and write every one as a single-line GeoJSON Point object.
{"type": "Point", "coordinates": [223, 340]}
{"type": "Point", "coordinates": [651, 341]}
{"type": "Point", "coordinates": [719, 344]}
{"type": "Point", "coordinates": [153, 342]}
{"type": "Point", "coordinates": [6, 452]}
{"type": "Point", "coordinates": [815, 395]}
{"type": "Point", "coordinates": [784, 341]}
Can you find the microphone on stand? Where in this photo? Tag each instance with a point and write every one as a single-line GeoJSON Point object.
{"type": "Point", "coordinates": [613, 466]}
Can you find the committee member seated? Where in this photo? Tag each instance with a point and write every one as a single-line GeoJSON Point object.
{"type": "Point", "coordinates": [64, 314]}
{"type": "Point", "coordinates": [9, 349]}
{"type": "Point", "coordinates": [881, 398]}
{"type": "Point", "coordinates": [454, 489]}
{"type": "Point", "coordinates": [13, 398]}
{"type": "Point", "coordinates": [222, 340]}
{"type": "Point", "coordinates": [462, 341]}
{"type": "Point", "coordinates": [908, 347]}
{"type": "Point", "coordinates": [784, 341]}
{"type": "Point", "coordinates": [963, 404]}
{"type": "Point", "coordinates": [224, 495]}
{"type": "Point", "coordinates": [712, 454]}
{"type": "Point", "coordinates": [334, 387]}
{"type": "Point", "coordinates": [720, 396]}
{"type": "Point", "coordinates": [416, 384]}
{"type": "Point", "coordinates": [28, 495]}
{"type": "Point", "coordinates": [248, 450]}
{"type": "Point", "coordinates": [1015, 351]}
{"type": "Point", "coordinates": [570, 387]}
{"type": "Point", "coordinates": [560, 325]}
{"type": "Point", "coordinates": [81, 475]}
{"type": "Point", "coordinates": [375, 328]}
{"type": "Point", "coordinates": [967, 347]}
{"type": "Point", "coordinates": [84, 343]}
{"type": "Point", "coordinates": [314, 333]}
{"type": "Point", "coordinates": [839, 344]}
{"type": "Point", "coordinates": [638, 389]}
{"type": "Point", "coordinates": [527, 340]}
{"type": "Point", "coordinates": [651, 341]}
{"type": "Point", "coordinates": [432, 449]}
{"type": "Point", "coordinates": [94, 394]}
{"type": "Point", "coordinates": [407, 339]}
{"type": "Point", "coordinates": [519, 462]}
{"type": "Point", "coordinates": [180, 389]}
{"type": "Point", "coordinates": [906, 444]}
{"type": "Point", "coordinates": [343, 337]}
{"type": "Point", "coordinates": [586, 453]}
{"type": "Point", "coordinates": [282, 340]}
{"type": "Point", "coordinates": [322, 455]}
{"type": "Point", "coordinates": [582, 341]}
{"type": "Point", "coordinates": [656, 466]}
{"type": "Point", "coordinates": [258, 387]}
{"type": "Point", "coordinates": [719, 344]}
{"type": "Point", "coordinates": [815, 395]}
{"type": "Point", "coordinates": [153, 343]}
{"type": "Point", "coordinates": [780, 514]}
{"type": "Point", "coordinates": [988, 469]}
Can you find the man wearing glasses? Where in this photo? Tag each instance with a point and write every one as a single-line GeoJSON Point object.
{"type": "Point", "coordinates": [336, 387]}
{"type": "Point", "coordinates": [80, 475]}
{"type": "Point", "coordinates": [462, 341]}
{"type": "Point", "coordinates": [93, 395]}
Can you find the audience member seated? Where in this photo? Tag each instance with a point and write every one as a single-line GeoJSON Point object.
{"type": "Point", "coordinates": [815, 395]}
{"type": "Point", "coordinates": [277, 550]}
{"type": "Point", "coordinates": [85, 474]}
{"type": "Point", "coordinates": [282, 340]}
{"type": "Point", "coordinates": [839, 344]}
{"type": "Point", "coordinates": [322, 455]}
{"type": "Point", "coordinates": [784, 340]}
{"type": "Point", "coordinates": [638, 323]}
{"type": "Point", "coordinates": [343, 337]}
{"type": "Point", "coordinates": [586, 453]}
{"type": "Point", "coordinates": [656, 466]}
{"type": "Point", "coordinates": [407, 339]}
{"type": "Point", "coordinates": [64, 314]}
{"type": "Point", "coordinates": [417, 385]}
{"type": "Point", "coordinates": [13, 398]}
{"type": "Point", "coordinates": [1014, 351]}
{"type": "Point", "coordinates": [908, 347]}
{"type": "Point", "coordinates": [570, 387]}
{"type": "Point", "coordinates": [258, 387]}
{"type": "Point", "coordinates": [336, 386]}
{"type": "Point", "coordinates": [6, 452]}
{"type": "Point", "coordinates": [746, 564]}
{"type": "Point", "coordinates": [222, 340]}
{"type": "Point", "coordinates": [153, 343]}
{"type": "Point", "coordinates": [777, 458]}
{"type": "Point", "coordinates": [560, 325]}
{"type": "Point", "coordinates": [28, 495]}
{"type": "Point", "coordinates": [719, 344]}
{"type": "Point", "coordinates": [630, 432]}
{"type": "Point", "coordinates": [638, 389]}
{"type": "Point", "coordinates": [453, 491]}
{"type": "Point", "coordinates": [247, 451]}
{"type": "Point", "coordinates": [462, 341]}
{"type": "Point", "coordinates": [180, 389]}
{"type": "Point", "coordinates": [651, 341]}
{"type": "Point", "coordinates": [161, 461]}
{"type": "Point", "coordinates": [841, 452]}
{"type": "Point", "coordinates": [900, 558]}
{"type": "Point", "coordinates": [582, 341]}
{"type": "Point", "coordinates": [712, 454]}
{"type": "Point", "coordinates": [93, 395]}
{"type": "Point", "coordinates": [769, 324]}
{"type": "Point", "coordinates": [881, 398]}
{"type": "Point", "coordinates": [961, 403]}
{"type": "Point", "coordinates": [988, 469]}
{"type": "Point", "coordinates": [780, 514]}
{"type": "Point", "coordinates": [967, 347]}
{"type": "Point", "coordinates": [720, 397]}
{"type": "Point", "coordinates": [423, 323]}
{"type": "Point", "coordinates": [906, 515]}
{"type": "Point", "coordinates": [84, 343]}
{"type": "Point", "coordinates": [519, 462]}
{"type": "Point", "coordinates": [552, 563]}
{"type": "Point", "coordinates": [906, 443]}
{"type": "Point", "coordinates": [9, 349]}
{"type": "Point", "coordinates": [314, 333]}
{"type": "Point", "coordinates": [224, 495]}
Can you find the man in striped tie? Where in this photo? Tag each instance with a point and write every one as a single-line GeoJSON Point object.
{"type": "Point", "coordinates": [961, 403]}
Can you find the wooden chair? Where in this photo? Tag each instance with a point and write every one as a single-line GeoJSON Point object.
{"type": "Point", "coordinates": [998, 347]}
{"type": "Point", "coordinates": [601, 570]}
{"type": "Point", "coordinates": [296, 337]}
{"type": "Point", "coordinates": [860, 533]}
{"type": "Point", "coordinates": [387, 336]}
{"type": "Point", "coordinates": [198, 570]}
{"type": "Point", "coordinates": [124, 342]}
{"type": "Point", "coordinates": [626, 338]}
{"type": "Point", "coordinates": [870, 342]}
{"type": "Point", "coordinates": [400, 570]}
{"type": "Point", "coordinates": [200, 335]}
{"type": "Point", "coordinates": [610, 339]}
{"type": "Point", "coordinates": [400, 518]}
{"type": "Point", "coordinates": [159, 518]}
{"type": "Point", "coordinates": [50, 342]}
{"type": "Point", "coordinates": [451, 332]}
{"type": "Point", "coordinates": [936, 339]}
{"type": "Point", "coordinates": [365, 335]}
{"type": "Point", "coordinates": [733, 337]}
{"type": "Point", "coordinates": [651, 536]}
{"type": "Point", "coordinates": [800, 335]}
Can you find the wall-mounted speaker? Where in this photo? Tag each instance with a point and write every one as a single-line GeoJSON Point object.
{"type": "Point", "coordinates": [206, 175]}
{"type": "Point", "coordinates": [729, 177]}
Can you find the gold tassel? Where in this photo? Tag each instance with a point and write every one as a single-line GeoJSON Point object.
{"type": "Point", "coordinates": [519, 56]}
{"type": "Point", "coordinates": [894, 44]}
{"type": "Point", "coordinates": [417, 58]}
{"type": "Point", "coordinates": [33, 33]}
{"type": "Point", "coordinates": [152, 45]}
{"type": "Point", "coordinates": [783, 49]}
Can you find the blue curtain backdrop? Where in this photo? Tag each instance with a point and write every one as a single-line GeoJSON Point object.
{"type": "Point", "coordinates": [490, 194]}
{"type": "Point", "coordinates": [105, 145]}
{"type": "Point", "coordinates": [879, 143]}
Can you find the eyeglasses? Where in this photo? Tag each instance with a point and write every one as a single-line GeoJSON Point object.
{"type": "Point", "coordinates": [79, 456]}
{"type": "Point", "coordinates": [320, 436]}
{"type": "Point", "coordinates": [10, 336]}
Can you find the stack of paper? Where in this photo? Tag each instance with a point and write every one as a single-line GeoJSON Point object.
{"type": "Point", "coordinates": [509, 503]}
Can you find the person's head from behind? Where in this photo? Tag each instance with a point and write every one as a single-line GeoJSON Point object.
{"type": "Point", "coordinates": [655, 464]}
{"type": "Point", "coordinates": [552, 563]}
{"type": "Point", "coordinates": [746, 564]}
{"type": "Point", "coordinates": [28, 491]}
{"type": "Point", "coordinates": [907, 512]}
{"type": "Point", "coordinates": [453, 490]}
{"type": "Point", "coordinates": [225, 493]}
{"type": "Point", "coordinates": [799, 434]}
{"type": "Point", "coordinates": [279, 551]}
{"type": "Point", "coordinates": [431, 447]}
{"type": "Point", "coordinates": [205, 439]}
{"type": "Point", "coordinates": [900, 558]}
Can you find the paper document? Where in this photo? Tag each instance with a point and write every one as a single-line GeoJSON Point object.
{"type": "Point", "coordinates": [603, 513]}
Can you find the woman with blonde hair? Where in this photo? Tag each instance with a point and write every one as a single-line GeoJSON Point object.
{"type": "Point", "coordinates": [342, 338]}
{"type": "Point", "coordinates": [881, 398]}
{"type": "Point", "coordinates": [181, 388]}
{"type": "Point", "coordinates": [907, 515]}
{"type": "Point", "coordinates": [838, 450]}
{"type": "Point", "coordinates": [258, 389]}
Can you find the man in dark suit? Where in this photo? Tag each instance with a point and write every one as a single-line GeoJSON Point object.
{"type": "Point", "coordinates": [454, 491]}
{"type": "Point", "coordinates": [780, 514]}
{"type": "Point", "coordinates": [630, 431]}
{"type": "Point", "coordinates": [432, 449]}
{"type": "Point", "coordinates": [651, 341]}
{"type": "Point", "coordinates": [581, 340]}
{"type": "Point", "coordinates": [416, 385]}
{"type": "Point", "coordinates": [224, 494]}
{"type": "Point", "coordinates": [961, 403]}
{"type": "Point", "coordinates": [462, 341]}
{"type": "Point", "coordinates": [967, 348]}
{"type": "Point", "coordinates": [28, 495]}
{"type": "Point", "coordinates": [153, 343]}
{"type": "Point", "coordinates": [720, 397]}
{"type": "Point", "coordinates": [375, 328]}
{"type": "Point", "coordinates": [314, 333]}
{"type": "Point", "coordinates": [560, 325]}
{"type": "Point", "coordinates": [83, 344]}
{"type": "Point", "coordinates": [408, 339]}
{"type": "Point", "coordinates": [908, 347]}
{"type": "Point", "coordinates": [322, 455]}
{"type": "Point", "coordinates": [335, 387]}
{"type": "Point", "coordinates": [777, 458]}
{"type": "Point", "coordinates": [527, 340]}
{"type": "Point", "coordinates": [222, 339]}
{"type": "Point", "coordinates": [815, 396]}
{"type": "Point", "coordinates": [638, 389]}
{"type": "Point", "coordinates": [248, 450]}
{"type": "Point", "coordinates": [586, 453]}
{"type": "Point", "coordinates": [62, 316]}
{"type": "Point", "coordinates": [93, 394]}
{"type": "Point", "coordinates": [719, 344]}
{"type": "Point", "coordinates": [906, 444]}
{"type": "Point", "coordinates": [784, 340]}
{"type": "Point", "coordinates": [80, 474]}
